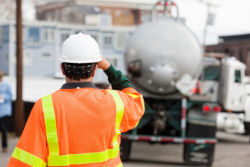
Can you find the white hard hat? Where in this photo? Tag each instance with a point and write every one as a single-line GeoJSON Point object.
{"type": "Point", "coordinates": [80, 48]}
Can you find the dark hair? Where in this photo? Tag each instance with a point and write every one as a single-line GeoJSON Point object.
{"type": "Point", "coordinates": [78, 71]}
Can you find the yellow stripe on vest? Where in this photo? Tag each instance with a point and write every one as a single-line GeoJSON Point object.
{"type": "Point", "coordinates": [50, 125]}
{"type": "Point", "coordinates": [54, 159]}
{"type": "Point", "coordinates": [119, 114]}
{"type": "Point", "coordinates": [28, 158]}
{"type": "Point", "coordinates": [86, 158]}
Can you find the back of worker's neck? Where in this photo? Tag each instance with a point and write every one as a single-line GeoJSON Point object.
{"type": "Point", "coordinates": [81, 80]}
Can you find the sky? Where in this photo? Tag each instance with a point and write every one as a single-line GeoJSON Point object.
{"type": "Point", "coordinates": [231, 16]}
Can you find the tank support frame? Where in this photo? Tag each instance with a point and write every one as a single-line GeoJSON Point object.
{"type": "Point", "coordinates": [170, 139]}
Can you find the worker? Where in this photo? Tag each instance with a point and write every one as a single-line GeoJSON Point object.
{"type": "Point", "coordinates": [80, 125]}
{"type": "Point", "coordinates": [5, 109]}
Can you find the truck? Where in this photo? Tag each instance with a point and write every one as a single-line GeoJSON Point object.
{"type": "Point", "coordinates": [224, 80]}
{"type": "Point", "coordinates": [165, 61]}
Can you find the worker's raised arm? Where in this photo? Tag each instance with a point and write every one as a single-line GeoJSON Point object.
{"type": "Point", "coordinates": [133, 103]}
{"type": "Point", "coordinates": [31, 149]}
{"type": "Point", "coordinates": [117, 80]}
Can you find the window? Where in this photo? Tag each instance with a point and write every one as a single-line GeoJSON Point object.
{"type": "Point", "coordinates": [211, 73]}
{"type": "Point", "coordinates": [64, 35]}
{"type": "Point", "coordinates": [1, 35]}
{"type": "Point", "coordinates": [6, 34]}
{"type": "Point", "coordinates": [107, 40]}
{"type": "Point", "coordinates": [46, 55]}
{"type": "Point", "coordinates": [95, 37]}
{"type": "Point", "coordinates": [94, 34]}
{"type": "Point", "coordinates": [48, 35]}
{"type": "Point", "coordinates": [14, 34]}
{"type": "Point", "coordinates": [72, 16]}
{"type": "Point", "coordinates": [34, 36]}
{"type": "Point", "coordinates": [237, 76]}
{"type": "Point", "coordinates": [105, 21]}
{"type": "Point", "coordinates": [121, 39]}
{"type": "Point", "coordinates": [112, 61]}
{"type": "Point", "coordinates": [78, 31]}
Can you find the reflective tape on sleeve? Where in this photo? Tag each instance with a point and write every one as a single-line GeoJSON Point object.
{"type": "Point", "coordinates": [119, 114]}
{"type": "Point", "coordinates": [142, 103]}
{"type": "Point", "coordinates": [28, 158]}
{"type": "Point", "coordinates": [120, 165]}
{"type": "Point", "coordinates": [50, 125]}
{"type": "Point", "coordinates": [133, 95]}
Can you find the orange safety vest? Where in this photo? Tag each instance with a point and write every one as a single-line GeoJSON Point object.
{"type": "Point", "coordinates": [78, 127]}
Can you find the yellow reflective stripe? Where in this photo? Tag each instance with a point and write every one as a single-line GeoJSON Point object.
{"type": "Point", "coordinates": [142, 101]}
{"type": "Point", "coordinates": [143, 104]}
{"type": "Point", "coordinates": [133, 95]}
{"type": "Point", "coordinates": [120, 165]}
{"type": "Point", "coordinates": [50, 125]}
{"type": "Point", "coordinates": [86, 158]}
{"type": "Point", "coordinates": [28, 158]}
{"type": "Point", "coordinates": [136, 124]}
{"type": "Point", "coordinates": [119, 114]}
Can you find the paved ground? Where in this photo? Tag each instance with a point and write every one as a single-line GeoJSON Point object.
{"type": "Point", "coordinates": [231, 151]}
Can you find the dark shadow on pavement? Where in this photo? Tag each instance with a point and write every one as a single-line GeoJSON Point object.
{"type": "Point", "coordinates": [231, 141]}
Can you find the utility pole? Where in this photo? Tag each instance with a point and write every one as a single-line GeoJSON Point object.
{"type": "Point", "coordinates": [205, 30]}
{"type": "Point", "coordinates": [209, 5]}
{"type": "Point", "coordinates": [19, 105]}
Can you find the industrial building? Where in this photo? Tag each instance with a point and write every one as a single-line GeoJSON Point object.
{"type": "Point", "coordinates": [123, 13]}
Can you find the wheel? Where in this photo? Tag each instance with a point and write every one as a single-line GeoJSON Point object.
{"type": "Point", "coordinates": [247, 128]}
{"type": "Point", "coordinates": [125, 149]}
{"type": "Point", "coordinates": [199, 154]}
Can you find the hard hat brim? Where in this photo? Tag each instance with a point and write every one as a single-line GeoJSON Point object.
{"type": "Point", "coordinates": [97, 59]}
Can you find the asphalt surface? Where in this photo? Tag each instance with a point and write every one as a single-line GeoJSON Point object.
{"type": "Point", "coordinates": [231, 151]}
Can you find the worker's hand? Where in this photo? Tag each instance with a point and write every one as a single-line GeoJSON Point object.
{"type": "Point", "coordinates": [104, 64]}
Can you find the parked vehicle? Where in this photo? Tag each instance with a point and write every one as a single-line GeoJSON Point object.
{"type": "Point", "coordinates": [224, 80]}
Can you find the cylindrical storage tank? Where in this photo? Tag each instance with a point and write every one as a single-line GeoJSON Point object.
{"type": "Point", "coordinates": [160, 52]}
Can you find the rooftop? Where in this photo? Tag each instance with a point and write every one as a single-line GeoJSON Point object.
{"type": "Point", "coordinates": [233, 38]}
{"type": "Point", "coordinates": [141, 4]}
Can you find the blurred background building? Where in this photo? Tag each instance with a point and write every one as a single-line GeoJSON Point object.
{"type": "Point", "coordinates": [42, 43]}
{"type": "Point", "coordinates": [94, 12]}
{"type": "Point", "coordinates": [234, 45]}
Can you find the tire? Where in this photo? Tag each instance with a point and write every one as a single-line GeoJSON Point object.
{"type": "Point", "coordinates": [125, 149]}
{"type": "Point", "coordinates": [247, 128]}
{"type": "Point", "coordinates": [199, 154]}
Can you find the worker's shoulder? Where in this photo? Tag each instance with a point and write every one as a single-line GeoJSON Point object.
{"type": "Point", "coordinates": [48, 96]}
{"type": "Point", "coordinates": [125, 92]}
